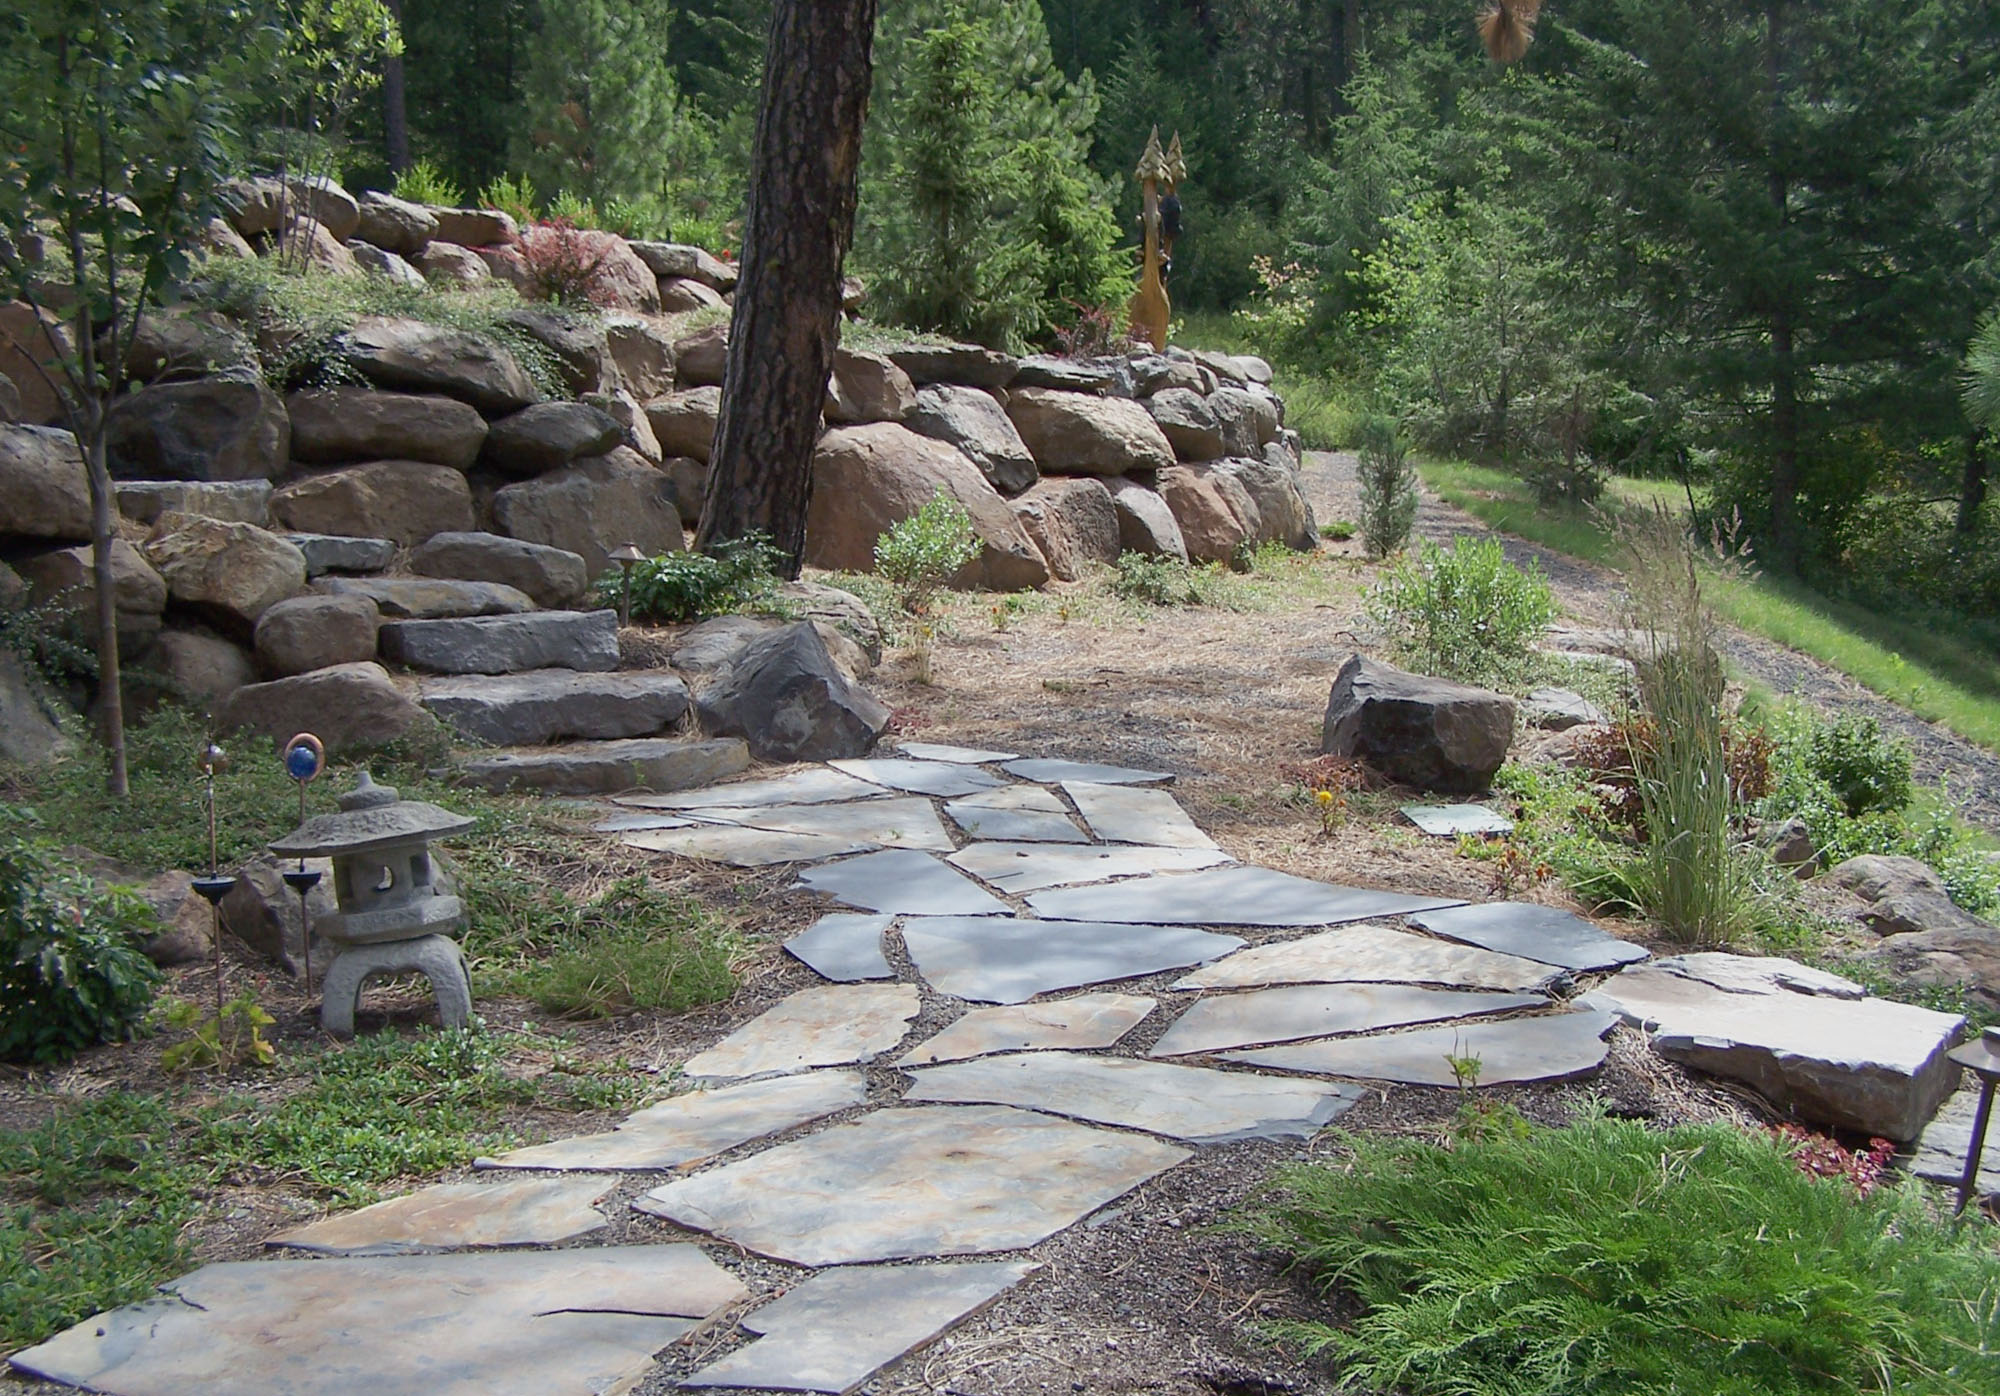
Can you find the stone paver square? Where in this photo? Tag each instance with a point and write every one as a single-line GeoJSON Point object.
{"type": "Point", "coordinates": [460, 1216]}
{"type": "Point", "coordinates": [1029, 867]}
{"type": "Point", "coordinates": [830, 1333]}
{"type": "Point", "coordinates": [1010, 960]}
{"type": "Point", "coordinates": [1449, 821]}
{"type": "Point", "coordinates": [1086, 1021]}
{"type": "Point", "coordinates": [491, 1323]}
{"type": "Point", "coordinates": [1323, 1010]}
{"type": "Point", "coordinates": [1371, 954]}
{"type": "Point", "coordinates": [744, 848]}
{"type": "Point", "coordinates": [1054, 772]}
{"type": "Point", "coordinates": [1241, 896]}
{"type": "Point", "coordinates": [928, 1181]}
{"type": "Point", "coordinates": [845, 946]}
{"type": "Point", "coordinates": [1134, 814]}
{"type": "Point", "coordinates": [813, 786]}
{"type": "Point", "coordinates": [1545, 933]}
{"type": "Point", "coordinates": [1554, 1047]}
{"type": "Point", "coordinates": [827, 1026]}
{"type": "Point", "coordinates": [1016, 814]}
{"type": "Point", "coordinates": [943, 778]}
{"type": "Point", "coordinates": [901, 822]}
{"type": "Point", "coordinates": [903, 882]}
{"type": "Point", "coordinates": [958, 755]}
{"type": "Point", "coordinates": [1191, 1103]}
{"type": "Point", "coordinates": [697, 1125]}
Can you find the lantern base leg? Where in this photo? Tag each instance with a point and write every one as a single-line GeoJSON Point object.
{"type": "Point", "coordinates": [437, 958]}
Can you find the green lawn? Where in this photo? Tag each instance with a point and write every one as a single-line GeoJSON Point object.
{"type": "Point", "coordinates": [1937, 676]}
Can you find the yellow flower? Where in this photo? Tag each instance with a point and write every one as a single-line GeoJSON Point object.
{"type": "Point", "coordinates": [1325, 797]}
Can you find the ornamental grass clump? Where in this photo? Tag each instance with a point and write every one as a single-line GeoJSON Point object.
{"type": "Point", "coordinates": [1608, 1258]}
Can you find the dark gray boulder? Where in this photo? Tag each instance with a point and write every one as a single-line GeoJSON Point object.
{"type": "Point", "coordinates": [785, 696]}
{"type": "Point", "coordinates": [1424, 732]}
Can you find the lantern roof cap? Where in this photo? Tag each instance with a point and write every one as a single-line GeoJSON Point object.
{"type": "Point", "coordinates": [371, 816]}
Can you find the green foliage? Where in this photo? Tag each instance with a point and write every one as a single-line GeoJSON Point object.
{"type": "Point", "coordinates": [1463, 613]}
{"type": "Point", "coordinates": [1388, 486]}
{"type": "Point", "coordinates": [235, 1037]}
{"type": "Point", "coordinates": [49, 639]}
{"type": "Point", "coordinates": [514, 195]}
{"type": "Point", "coordinates": [1979, 383]}
{"type": "Point", "coordinates": [1339, 530]}
{"type": "Point", "coordinates": [72, 971]}
{"type": "Point", "coordinates": [629, 949]}
{"type": "Point", "coordinates": [918, 555]}
{"type": "Point", "coordinates": [1865, 769]}
{"type": "Point", "coordinates": [739, 575]}
{"type": "Point", "coordinates": [1164, 581]}
{"type": "Point", "coordinates": [422, 182]}
{"type": "Point", "coordinates": [1610, 1257]}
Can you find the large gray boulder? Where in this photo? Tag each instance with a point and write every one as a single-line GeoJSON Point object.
{"type": "Point", "coordinates": [180, 345]}
{"type": "Point", "coordinates": [326, 203]}
{"type": "Point", "coordinates": [964, 364]}
{"type": "Point", "coordinates": [232, 573]}
{"type": "Point", "coordinates": [642, 350]}
{"type": "Point", "coordinates": [327, 552]}
{"type": "Point", "coordinates": [785, 697]}
{"type": "Point", "coordinates": [336, 426]}
{"type": "Point", "coordinates": [1963, 953]}
{"type": "Point", "coordinates": [554, 578]}
{"type": "Point", "coordinates": [701, 356]}
{"type": "Point", "coordinates": [1072, 521]}
{"type": "Point", "coordinates": [1420, 731]}
{"type": "Point", "coordinates": [578, 343]}
{"type": "Point", "coordinates": [405, 501]}
{"type": "Point", "coordinates": [211, 429]}
{"type": "Point", "coordinates": [1214, 512]}
{"type": "Point", "coordinates": [30, 717]}
{"type": "Point", "coordinates": [33, 344]}
{"type": "Point", "coordinates": [974, 421]}
{"type": "Point", "coordinates": [1902, 895]}
{"type": "Point", "coordinates": [44, 488]}
{"type": "Point", "coordinates": [303, 633]}
{"type": "Point", "coordinates": [594, 507]}
{"type": "Point", "coordinates": [1110, 374]}
{"type": "Point", "coordinates": [416, 356]}
{"type": "Point", "coordinates": [553, 705]}
{"type": "Point", "coordinates": [1247, 419]}
{"type": "Point", "coordinates": [548, 436]}
{"type": "Point", "coordinates": [390, 266]}
{"type": "Point", "coordinates": [1076, 434]}
{"type": "Point", "coordinates": [679, 295]}
{"type": "Point", "coordinates": [684, 422]}
{"type": "Point", "coordinates": [200, 667]}
{"type": "Point", "coordinates": [472, 227]}
{"type": "Point", "coordinates": [581, 640]}
{"type": "Point", "coordinates": [232, 501]}
{"type": "Point", "coordinates": [68, 577]}
{"type": "Point", "coordinates": [1145, 523]}
{"type": "Point", "coordinates": [350, 707]}
{"type": "Point", "coordinates": [1283, 515]}
{"type": "Point", "coordinates": [1189, 423]}
{"type": "Point", "coordinates": [393, 224]}
{"type": "Point", "coordinates": [429, 598]}
{"type": "Point", "coordinates": [447, 264]}
{"type": "Point", "coordinates": [680, 261]}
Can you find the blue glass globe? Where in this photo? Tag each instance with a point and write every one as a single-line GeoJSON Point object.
{"type": "Point", "coordinates": [302, 762]}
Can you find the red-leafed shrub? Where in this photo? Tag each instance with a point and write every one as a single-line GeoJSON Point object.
{"type": "Point", "coordinates": [565, 263]}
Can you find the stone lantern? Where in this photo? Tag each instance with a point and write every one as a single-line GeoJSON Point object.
{"type": "Point", "coordinates": [393, 916]}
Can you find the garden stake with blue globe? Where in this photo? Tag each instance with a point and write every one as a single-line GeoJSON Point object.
{"type": "Point", "coordinates": [212, 761]}
{"type": "Point", "coordinates": [305, 760]}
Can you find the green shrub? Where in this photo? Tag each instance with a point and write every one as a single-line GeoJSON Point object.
{"type": "Point", "coordinates": [513, 195]}
{"type": "Point", "coordinates": [740, 574]}
{"type": "Point", "coordinates": [1865, 770]}
{"type": "Point", "coordinates": [918, 555]}
{"type": "Point", "coordinates": [1388, 487]}
{"type": "Point", "coordinates": [1608, 1257]}
{"type": "Point", "coordinates": [72, 973]}
{"type": "Point", "coordinates": [1162, 581]}
{"type": "Point", "coordinates": [1463, 612]}
{"type": "Point", "coordinates": [1339, 530]}
{"type": "Point", "coordinates": [422, 182]}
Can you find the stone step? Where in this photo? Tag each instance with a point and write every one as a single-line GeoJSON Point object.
{"type": "Point", "coordinates": [606, 768]}
{"type": "Point", "coordinates": [582, 640]}
{"type": "Point", "coordinates": [431, 598]}
{"type": "Point", "coordinates": [552, 705]}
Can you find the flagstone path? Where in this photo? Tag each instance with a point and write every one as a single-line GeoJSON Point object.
{"type": "Point", "coordinates": [1007, 1125]}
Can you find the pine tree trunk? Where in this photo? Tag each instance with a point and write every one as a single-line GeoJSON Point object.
{"type": "Point", "coordinates": [1784, 540]}
{"type": "Point", "coordinates": [103, 533]}
{"type": "Point", "coordinates": [1971, 485]}
{"type": "Point", "coordinates": [800, 221]}
{"type": "Point", "coordinates": [395, 112]}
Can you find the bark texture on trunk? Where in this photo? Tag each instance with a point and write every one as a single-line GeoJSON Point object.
{"type": "Point", "coordinates": [395, 110]}
{"type": "Point", "coordinates": [800, 221]}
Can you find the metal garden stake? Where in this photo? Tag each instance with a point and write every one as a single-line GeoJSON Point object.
{"type": "Point", "coordinates": [212, 761]}
{"type": "Point", "coordinates": [305, 760]}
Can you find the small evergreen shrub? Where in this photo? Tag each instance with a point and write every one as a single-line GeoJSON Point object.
{"type": "Point", "coordinates": [1388, 487]}
{"type": "Point", "coordinates": [1161, 581]}
{"type": "Point", "coordinates": [739, 574]}
{"type": "Point", "coordinates": [422, 182]}
{"type": "Point", "coordinates": [1865, 769]}
{"type": "Point", "coordinates": [513, 195]}
{"type": "Point", "coordinates": [72, 973]}
{"type": "Point", "coordinates": [1463, 612]}
{"type": "Point", "coordinates": [918, 555]}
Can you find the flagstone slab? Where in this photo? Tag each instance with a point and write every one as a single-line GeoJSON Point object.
{"type": "Point", "coordinates": [1371, 954]}
{"type": "Point", "coordinates": [924, 1181]}
{"type": "Point", "coordinates": [1054, 772]}
{"type": "Point", "coordinates": [1554, 1047]}
{"type": "Point", "coordinates": [1758, 974]}
{"type": "Point", "coordinates": [1195, 1104]}
{"type": "Point", "coordinates": [1450, 821]}
{"type": "Point", "coordinates": [901, 822]}
{"type": "Point", "coordinates": [744, 847]}
{"type": "Point", "coordinates": [697, 1125]}
{"type": "Point", "coordinates": [1323, 1010]}
{"type": "Point", "coordinates": [1545, 933]}
{"type": "Point", "coordinates": [577, 1322]}
{"type": "Point", "coordinates": [958, 755]}
{"type": "Point", "coordinates": [943, 778]}
{"type": "Point", "coordinates": [841, 1326]}
{"type": "Point", "coordinates": [1086, 1021]}
{"type": "Point", "coordinates": [844, 946]}
{"type": "Point", "coordinates": [634, 823]}
{"type": "Point", "coordinates": [1135, 814]}
{"type": "Point", "coordinates": [1240, 896]}
{"type": "Point", "coordinates": [903, 882]}
{"type": "Point", "coordinates": [460, 1216]}
{"type": "Point", "coordinates": [1942, 1147]}
{"type": "Point", "coordinates": [1029, 867]}
{"type": "Point", "coordinates": [1012, 959]}
{"type": "Point", "coordinates": [813, 786]}
{"type": "Point", "coordinates": [827, 1026]}
{"type": "Point", "coordinates": [1017, 814]}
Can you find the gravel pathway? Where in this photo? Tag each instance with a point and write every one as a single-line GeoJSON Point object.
{"type": "Point", "coordinates": [1591, 594]}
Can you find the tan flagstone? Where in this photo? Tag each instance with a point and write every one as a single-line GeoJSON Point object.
{"type": "Point", "coordinates": [827, 1026]}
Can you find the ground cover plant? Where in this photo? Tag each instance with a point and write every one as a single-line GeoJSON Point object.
{"type": "Point", "coordinates": [1607, 1256]}
{"type": "Point", "coordinates": [738, 574]}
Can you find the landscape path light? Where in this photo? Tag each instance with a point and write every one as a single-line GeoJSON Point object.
{"type": "Point", "coordinates": [305, 761]}
{"type": "Point", "coordinates": [627, 558]}
{"type": "Point", "coordinates": [1981, 1057]}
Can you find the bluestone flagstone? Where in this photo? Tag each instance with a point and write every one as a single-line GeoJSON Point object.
{"type": "Point", "coordinates": [743, 847]}
{"type": "Point", "coordinates": [1371, 954]}
{"type": "Point", "coordinates": [1544, 933]}
{"type": "Point", "coordinates": [1010, 960]}
{"type": "Point", "coordinates": [845, 946]}
{"type": "Point", "coordinates": [1449, 821]}
{"type": "Point", "coordinates": [1197, 1105]}
{"type": "Point", "coordinates": [839, 1327]}
{"type": "Point", "coordinates": [697, 1125]}
{"type": "Point", "coordinates": [1242, 896]}
{"type": "Point", "coordinates": [902, 882]}
{"type": "Point", "coordinates": [459, 1216]}
{"type": "Point", "coordinates": [1553, 1047]}
{"type": "Point", "coordinates": [1086, 1021]}
{"type": "Point", "coordinates": [943, 778]}
{"type": "Point", "coordinates": [927, 1181]}
{"type": "Point", "coordinates": [1051, 772]}
{"type": "Point", "coordinates": [633, 823]}
{"type": "Point", "coordinates": [1016, 814]}
{"type": "Point", "coordinates": [826, 1026]}
{"type": "Point", "coordinates": [812, 786]}
{"type": "Point", "coordinates": [1135, 814]}
{"type": "Point", "coordinates": [1028, 867]}
{"type": "Point", "coordinates": [960, 755]}
{"type": "Point", "coordinates": [1322, 1010]}
{"type": "Point", "coordinates": [901, 822]}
